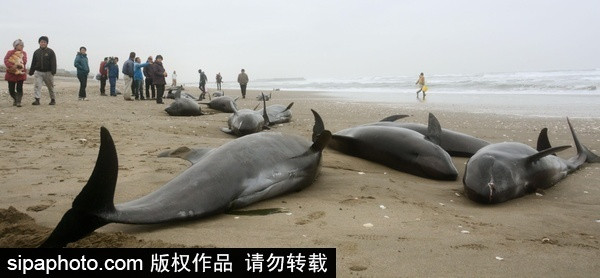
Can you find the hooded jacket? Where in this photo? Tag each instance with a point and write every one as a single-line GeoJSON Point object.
{"type": "Point", "coordinates": [81, 63]}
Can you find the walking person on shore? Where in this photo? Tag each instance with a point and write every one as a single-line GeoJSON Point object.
{"type": "Point", "coordinates": [43, 67]}
{"type": "Point", "coordinates": [112, 67]}
{"type": "Point", "coordinates": [83, 69]}
{"type": "Point", "coordinates": [158, 73]}
{"type": "Point", "coordinates": [243, 80]}
{"type": "Point", "coordinates": [128, 76]}
{"type": "Point", "coordinates": [138, 78]}
{"type": "Point", "coordinates": [16, 72]}
{"type": "Point", "coordinates": [103, 76]}
{"type": "Point", "coordinates": [219, 81]}
{"type": "Point", "coordinates": [202, 85]}
{"type": "Point", "coordinates": [148, 77]}
{"type": "Point", "coordinates": [174, 77]}
{"type": "Point", "coordinates": [421, 83]}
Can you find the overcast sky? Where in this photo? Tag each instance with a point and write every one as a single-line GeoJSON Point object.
{"type": "Point", "coordinates": [314, 39]}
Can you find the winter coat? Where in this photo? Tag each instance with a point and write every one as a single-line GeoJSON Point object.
{"type": "Point", "coordinates": [128, 68]}
{"type": "Point", "coordinates": [44, 60]}
{"type": "Point", "coordinates": [243, 78]}
{"type": "Point", "coordinates": [137, 71]}
{"type": "Point", "coordinates": [103, 70]}
{"type": "Point", "coordinates": [113, 70]}
{"type": "Point", "coordinates": [157, 73]}
{"type": "Point", "coordinates": [12, 58]}
{"type": "Point", "coordinates": [81, 63]}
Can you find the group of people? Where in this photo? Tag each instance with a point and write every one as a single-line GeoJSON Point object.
{"type": "Point", "coordinates": [134, 74]}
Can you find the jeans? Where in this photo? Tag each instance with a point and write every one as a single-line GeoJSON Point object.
{"type": "Point", "coordinates": [113, 85]}
{"type": "Point", "coordinates": [138, 90]}
{"type": "Point", "coordinates": [243, 87]}
{"type": "Point", "coordinates": [82, 84]}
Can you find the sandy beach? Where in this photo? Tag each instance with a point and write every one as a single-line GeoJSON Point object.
{"type": "Point", "coordinates": [415, 227]}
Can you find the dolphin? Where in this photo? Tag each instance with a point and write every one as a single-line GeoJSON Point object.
{"type": "Point", "coordinates": [455, 143]}
{"type": "Point", "coordinates": [218, 94]}
{"type": "Point", "coordinates": [278, 113]}
{"type": "Point", "coordinates": [279, 164]}
{"type": "Point", "coordinates": [399, 148]}
{"type": "Point", "coordinates": [263, 97]}
{"type": "Point", "coordinates": [246, 121]}
{"type": "Point", "coordinates": [183, 106]}
{"type": "Point", "coordinates": [224, 104]}
{"type": "Point", "coordinates": [504, 171]}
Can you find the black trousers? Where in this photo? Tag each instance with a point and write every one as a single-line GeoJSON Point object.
{"type": "Point", "coordinates": [243, 87]}
{"type": "Point", "coordinates": [160, 90]}
{"type": "Point", "coordinates": [82, 84]}
{"type": "Point", "coordinates": [15, 89]}
{"type": "Point", "coordinates": [149, 86]}
{"type": "Point", "coordinates": [103, 79]}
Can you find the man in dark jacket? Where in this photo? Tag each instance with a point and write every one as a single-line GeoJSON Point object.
{"type": "Point", "coordinates": [43, 65]}
{"type": "Point", "coordinates": [128, 76]}
{"type": "Point", "coordinates": [149, 84]}
{"type": "Point", "coordinates": [158, 74]}
{"type": "Point", "coordinates": [83, 69]}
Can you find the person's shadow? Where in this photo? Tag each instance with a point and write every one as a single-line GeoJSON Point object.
{"type": "Point", "coordinates": [423, 99]}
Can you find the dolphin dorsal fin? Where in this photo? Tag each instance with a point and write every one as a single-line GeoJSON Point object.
{"type": "Point", "coordinates": [543, 142]}
{"type": "Point", "coordinates": [393, 118]}
{"type": "Point", "coordinates": [535, 157]}
{"type": "Point", "coordinates": [434, 130]}
{"type": "Point", "coordinates": [191, 155]}
{"type": "Point", "coordinates": [319, 127]}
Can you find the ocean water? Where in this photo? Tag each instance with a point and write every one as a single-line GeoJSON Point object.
{"type": "Point", "coordinates": [548, 93]}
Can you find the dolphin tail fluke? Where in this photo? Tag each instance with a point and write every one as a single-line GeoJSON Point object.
{"type": "Point", "coordinates": [289, 107]}
{"type": "Point", "coordinates": [393, 118]}
{"type": "Point", "coordinates": [583, 153]}
{"type": "Point", "coordinates": [95, 197]}
{"type": "Point", "coordinates": [265, 116]}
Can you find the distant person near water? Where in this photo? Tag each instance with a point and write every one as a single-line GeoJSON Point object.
{"type": "Point", "coordinates": [422, 86]}
{"type": "Point", "coordinates": [158, 74]}
{"type": "Point", "coordinates": [83, 69]}
{"type": "Point", "coordinates": [112, 66]}
{"type": "Point", "coordinates": [202, 84]}
{"type": "Point", "coordinates": [174, 77]}
{"type": "Point", "coordinates": [43, 67]}
{"type": "Point", "coordinates": [128, 76]}
{"type": "Point", "coordinates": [16, 72]}
{"type": "Point", "coordinates": [103, 76]}
{"type": "Point", "coordinates": [243, 80]}
{"type": "Point", "coordinates": [148, 81]}
{"type": "Point", "coordinates": [219, 81]}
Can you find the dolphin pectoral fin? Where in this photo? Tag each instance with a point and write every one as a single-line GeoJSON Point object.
{"type": "Point", "coordinates": [96, 197]}
{"type": "Point", "coordinates": [393, 118]}
{"type": "Point", "coordinates": [434, 130]}
{"type": "Point", "coordinates": [583, 153]}
{"type": "Point", "coordinates": [191, 155]}
{"type": "Point", "coordinates": [543, 142]}
{"type": "Point", "coordinates": [227, 130]}
{"type": "Point", "coordinates": [535, 157]}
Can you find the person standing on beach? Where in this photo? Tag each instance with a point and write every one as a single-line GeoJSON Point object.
{"type": "Point", "coordinates": [103, 76]}
{"type": "Point", "coordinates": [174, 79]}
{"type": "Point", "coordinates": [243, 80]}
{"type": "Point", "coordinates": [149, 84]}
{"type": "Point", "coordinates": [113, 74]}
{"type": "Point", "coordinates": [158, 74]}
{"type": "Point", "coordinates": [83, 69]}
{"type": "Point", "coordinates": [128, 76]}
{"type": "Point", "coordinates": [43, 65]}
{"type": "Point", "coordinates": [202, 85]}
{"type": "Point", "coordinates": [421, 83]}
{"type": "Point", "coordinates": [138, 78]}
{"type": "Point", "coordinates": [15, 62]}
{"type": "Point", "coordinates": [219, 81]}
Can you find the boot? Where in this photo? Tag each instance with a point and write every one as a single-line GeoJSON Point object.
{"type": "Point", "coordinates": [19, 98]}
{"type": "Point", "coordinates": [14, 97]}
{"type": "Point", "coordinates": [52, 102]}
{"type": "Point", "coordinates": [36, 102]}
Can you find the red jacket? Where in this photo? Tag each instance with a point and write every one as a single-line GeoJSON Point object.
{"type": "Point", "coordinates": [103, 70]}
{"type": "Point", "coordinates": [12, 58]}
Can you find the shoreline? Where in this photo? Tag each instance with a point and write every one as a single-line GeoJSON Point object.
{"type": "Point", "coordinates": [417, 233]}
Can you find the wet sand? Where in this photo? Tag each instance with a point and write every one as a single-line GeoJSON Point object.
{"type": "Point", "coordinates": [418, 227]}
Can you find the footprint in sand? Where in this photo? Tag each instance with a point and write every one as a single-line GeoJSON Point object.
{"type": "Point", "coordinates": [310, 218]}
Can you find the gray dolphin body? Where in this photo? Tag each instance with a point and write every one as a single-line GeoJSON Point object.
{"type": "Point", "coordinates": [504, 171]}
{"type": "Point", "coordinates": [183, 107]}
{"type": "Point", "coordinates": [218, 94]}
{"type": "Point", "coordinates": [398, 148]}
{"type": "Point", "coordinates": [266, 165]}
{"type": "Point", "coordinates": [278, 113]}
{"type": "Point", "coordinates": [455, 143]}
{"type": "Point", "coordinates": [224, 104]}
{"type": "Point", "coordinates": [264, 97]}
{"type": "Point", "coordinates": [246, 121]}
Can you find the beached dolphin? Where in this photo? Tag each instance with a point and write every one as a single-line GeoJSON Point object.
{"type": "Point", "coordinates": [455, 143]}
{"type": "Point", "coordinates": [218, 94]}
{"type": "Point", "coordinates": [246, 121]}
{"type": "Point", "coordinates": [224, 104]}
{"type": "Point", "coordinates": [263, 97]}
{"type": "Point", "coordinates": [399, 148]}
{"type": "Point", "coordinates": [504, 171]}
{"type": "Point", "coordinates": [264, 165]}
{"type": "Point", "coordinates": [278, 113]}
{"type": "Point", "coordinates": [183, 106]}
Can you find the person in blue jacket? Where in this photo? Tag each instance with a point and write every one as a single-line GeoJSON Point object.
{"type": "Point", "coordinates": [138, 78]}
{"type": "Point", "coordinates": [83, 69]}
{"type": "Point", "coordinates": [113, 74]}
